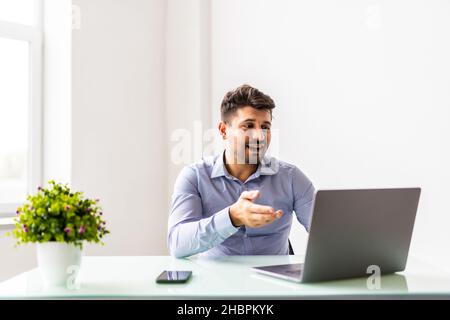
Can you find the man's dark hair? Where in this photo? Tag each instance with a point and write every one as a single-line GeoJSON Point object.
{"type": "Point", "coordinates": [243, 96]}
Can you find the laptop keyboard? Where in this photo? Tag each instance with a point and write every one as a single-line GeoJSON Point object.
{"type": "Point", "coordinates": [290, 269]}
{"type": "Point", "coordinates": [295, 270]}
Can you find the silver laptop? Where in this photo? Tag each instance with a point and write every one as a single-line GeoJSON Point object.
{"type": "Point", "coordinates": [352, 230]}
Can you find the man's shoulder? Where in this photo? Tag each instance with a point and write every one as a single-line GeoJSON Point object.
{"type": "Point", "coordinates": [201, 166]}
{"type": "Point", "coordinates": [282, 166]}
{"type": "Point", "coordinates": [286, 165]}
{"type": "Point", "coordinates": [191, 175]}
{"type": "Point", "coordinates": [289, 169]}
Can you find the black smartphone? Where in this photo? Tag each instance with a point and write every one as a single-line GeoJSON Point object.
{"type": "Point", "coordinates": [173, 276]}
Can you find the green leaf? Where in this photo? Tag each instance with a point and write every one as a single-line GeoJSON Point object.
{"type": "Point", "coordinates": [50, 215]}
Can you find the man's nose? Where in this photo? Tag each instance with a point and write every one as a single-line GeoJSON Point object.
{"type": "Point", "coordinates": [258, 134]}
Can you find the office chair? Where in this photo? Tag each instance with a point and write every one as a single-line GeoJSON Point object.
{"type": "Point", "coordinates": [291, 251]}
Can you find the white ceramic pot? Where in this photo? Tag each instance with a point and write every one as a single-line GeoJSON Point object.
{"type": "Point", "coordinates": [58, 263]}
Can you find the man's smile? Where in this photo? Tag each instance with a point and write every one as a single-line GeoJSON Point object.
{"type": "Point", "coordinates": [255, 146]}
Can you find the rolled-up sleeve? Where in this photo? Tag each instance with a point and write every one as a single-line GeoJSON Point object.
{"type": "Point", "coordinates": [304, 193]}
{"type": "Point", "coordinates": [189, 232]}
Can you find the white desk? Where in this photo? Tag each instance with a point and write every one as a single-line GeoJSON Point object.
{"type": "Point", "coordinates": [225, 278]}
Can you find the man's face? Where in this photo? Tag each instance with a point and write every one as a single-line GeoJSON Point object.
{"type": "Point", "coordinates": [247, 134]}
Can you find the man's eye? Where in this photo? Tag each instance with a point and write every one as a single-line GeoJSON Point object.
{"type": "Point", "coordinates": [265, 128]}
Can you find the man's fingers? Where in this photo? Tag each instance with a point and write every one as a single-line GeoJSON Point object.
{"type": "Point", "coordinates": [250, 195]}
{"type": "Point", "coordinates": [257, 208]}
{"type": "Point", "coordinates": [261, 219]}
{"type": "Point", "coordinates": [278, 214]}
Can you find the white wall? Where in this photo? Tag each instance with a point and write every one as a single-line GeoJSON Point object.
{"type": "Point", "coordinates": [56, 119]}
{"type": "Point", "coordinates": [57, 102]}
{"type": "Point", "coordinates": [360, 86]}
{"type": "Point", "coordinates": [14, 260]}
{"type": "Point", "coordinates": [362, 93]}
{"type": "Point", "coordinates": [187, 79]}
{"type": "Point", "coordinates": [104, 120]}
{"type": "Point", "coordinates": [111, 104]}
{"type": "Point", "coordinates": [118, 130]}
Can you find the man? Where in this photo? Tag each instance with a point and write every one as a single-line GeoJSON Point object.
{"type": "Point", "coordinates": [239, 202]}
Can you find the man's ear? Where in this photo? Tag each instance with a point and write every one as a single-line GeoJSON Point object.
{"type": "Point", "coordinates": [223, 129]}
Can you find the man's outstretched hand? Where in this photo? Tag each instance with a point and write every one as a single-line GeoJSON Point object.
{"type": "Point", "coordinates": [245, 212]}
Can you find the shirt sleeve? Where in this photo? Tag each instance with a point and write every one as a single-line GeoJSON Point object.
{"type": "Point", "coordinates": [188, 232]}
{"type": "Point", "coordinates": [304, 193]}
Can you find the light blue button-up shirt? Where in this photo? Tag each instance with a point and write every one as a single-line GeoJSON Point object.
{"type": "Point", "coordinates": [200, 222]}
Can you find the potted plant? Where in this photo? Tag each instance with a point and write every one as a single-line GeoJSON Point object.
{"type": "Point", "coordinates": [59, 221]}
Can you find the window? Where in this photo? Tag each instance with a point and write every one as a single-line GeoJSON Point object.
{"type": "Point", "coordinates": [20, 101]}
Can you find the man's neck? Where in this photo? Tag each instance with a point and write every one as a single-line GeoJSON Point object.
{"type": "Point", "coordinates": [240, 171]}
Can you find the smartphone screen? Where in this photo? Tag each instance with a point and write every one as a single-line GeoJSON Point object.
{"type": "Point", "coordinates": [173, 276]}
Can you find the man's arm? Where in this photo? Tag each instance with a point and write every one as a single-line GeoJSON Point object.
{"type": "Point", "coordinates": [304, 192]}
{"type": "Point", "coordinates": [189, 232]}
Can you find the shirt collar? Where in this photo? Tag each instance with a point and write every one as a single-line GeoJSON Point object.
{"type": "Point", "coordinates": [267, 166]}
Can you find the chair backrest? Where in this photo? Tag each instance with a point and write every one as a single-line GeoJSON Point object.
{"type": "Point", "coordinates": [291, 251]}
